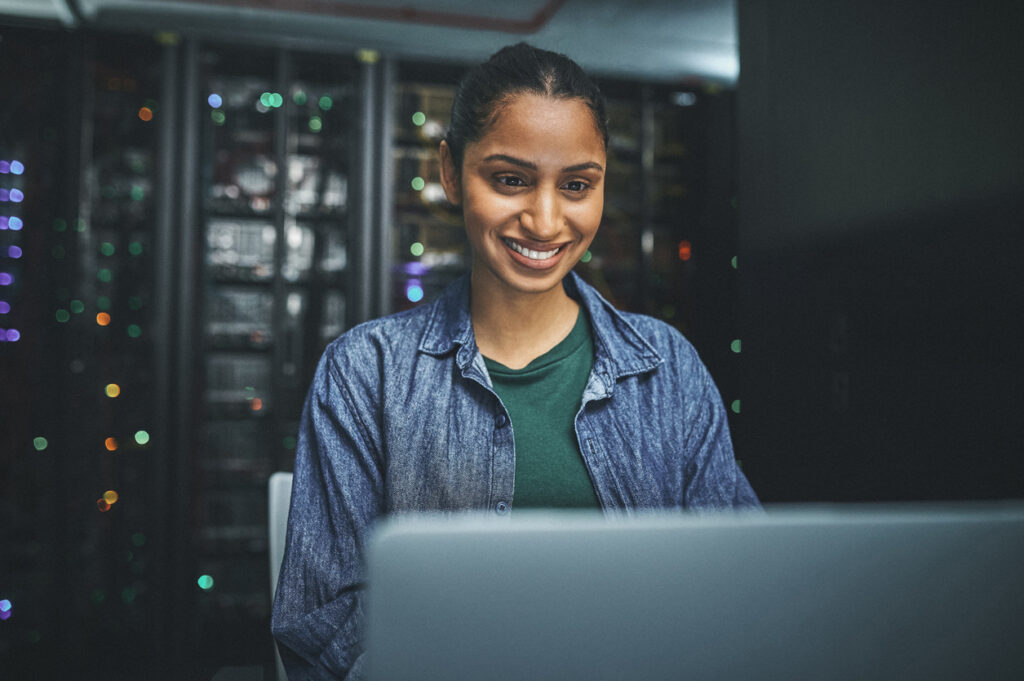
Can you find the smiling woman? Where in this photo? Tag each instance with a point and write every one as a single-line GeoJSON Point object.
{"type": "Point", "coordinates": [519, 387]}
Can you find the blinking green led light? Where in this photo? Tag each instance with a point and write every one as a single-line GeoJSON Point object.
{"type": "Point", "coordinates": [77, 306]}
{"type": "Point", "coordinates": [107, 248]}
{"type": "Point", "coordinates": [325, 103]}
{"type": "Point", "coordinates": [80, 225]}
{"type": "Point", "coordinates": [416, 249]}
{"type": "Point", "coordinates": [142, 437]}
{"type": "Point", "coordinates": [735, 406]}
{"type": "Point", "coordinates": [418, 183]}
{"type": "Point", "coordinates": [266, 99]}
{"type": "Point", "coordinates": [217, 117]}
{"type": "Point", "coordinates": [134, 330]}
{"type": "Point", "coordinates": [736, 346]}
{"type": "Point", "coordinates": [586, 257]}
{"type": "Point", "coordinates": [315, 124]}
{"type": "Point", "coordinates": [735, 260]}
{"type": "Point", "coordinates": [289, 442]}
{"type": "Point", "coordinates": [63, 315]}
{"type": "Point", "coordinates": [105, 275]}
{"type": "Point", "coordinates": [103, 303]}
{"type": "Point", "coordinates": [135, 248]}
{"type": "Point", "coordinates": [419, 118]}
{"type": "Point", "coordinates": [138, 193]}
{"type": "Point", "coordinates": [205, 582]}
{"type": "Point", "coordinates": [40, 443]}
{"type": "Point", "coordinates": [276, 100]}
{"type": "Point", "coordinates": [299, 98]}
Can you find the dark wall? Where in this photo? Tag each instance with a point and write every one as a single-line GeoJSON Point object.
{"type": "Point", "coordinates": [881, 154]}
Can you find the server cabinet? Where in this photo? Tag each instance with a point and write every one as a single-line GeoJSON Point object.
{"type": "Point", "coordinates": [277, 144]}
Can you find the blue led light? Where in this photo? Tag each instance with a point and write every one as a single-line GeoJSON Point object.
{"type": "Point", "coordinates": [214, 100]}
{"type": "Point", "coordinates": [14, 251]}
{"type": "Point", "coordinates": [15, 223]}
{"type": "Point", "coordinates": [13, 335]}
{"type": "Point", "coordinates": [414, 293]}
{"type": "Point", "coordinates": [17, 168]}
{"type": "Point", "coordinates": [17, 196]}
{"type": "Point", "coordinates": [6, 279]}
{"type": "Point", "coordinates": [5, 307]}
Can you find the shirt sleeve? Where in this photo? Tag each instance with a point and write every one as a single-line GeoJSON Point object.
{"type": "Point", "coordinates": [714, 478]}
{"type": "Point", "coordinates": [337, 488]}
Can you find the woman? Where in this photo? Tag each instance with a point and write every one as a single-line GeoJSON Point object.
{"type": "Point", "coordinates": [519, 387]}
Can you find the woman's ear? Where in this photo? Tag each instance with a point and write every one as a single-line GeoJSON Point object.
{"type": "Point", "coordinates": [450, 176]}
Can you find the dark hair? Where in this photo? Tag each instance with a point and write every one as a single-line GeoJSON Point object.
{"type": "Point", "coordinates": [515, 70]}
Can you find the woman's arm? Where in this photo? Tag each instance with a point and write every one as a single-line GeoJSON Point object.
{"type": "Point", "coordinates": [336, 497]}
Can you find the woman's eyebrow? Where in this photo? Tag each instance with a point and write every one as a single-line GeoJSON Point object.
{"type": "Point", "coordinates": [589, 165]}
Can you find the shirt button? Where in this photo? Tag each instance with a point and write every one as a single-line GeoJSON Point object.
{"type": "Point", "coordinates": [501, 420]}
{"type": "Point", "coordinates": [502, 508]}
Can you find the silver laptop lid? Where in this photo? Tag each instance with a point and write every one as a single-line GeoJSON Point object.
{"type": "Point", "coordinates": [797, 593]}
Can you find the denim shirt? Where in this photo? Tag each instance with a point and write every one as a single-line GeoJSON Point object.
{"type": "Point", "coordinates": [401, 417]}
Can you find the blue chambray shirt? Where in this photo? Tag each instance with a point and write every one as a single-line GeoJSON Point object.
{"type": "Point", "coordinates": [401, 417]}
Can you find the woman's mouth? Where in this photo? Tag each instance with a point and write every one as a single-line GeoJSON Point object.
{"type": "Point", "coordinates": [529, 253]}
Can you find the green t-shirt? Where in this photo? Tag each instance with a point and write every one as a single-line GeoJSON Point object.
{"type": "Point", "coordinates": [542, 400]}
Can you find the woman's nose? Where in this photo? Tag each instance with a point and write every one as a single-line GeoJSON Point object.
{"type": "Point", "coordinates": [542, 217]}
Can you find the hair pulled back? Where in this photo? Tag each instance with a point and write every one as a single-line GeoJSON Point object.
{"type": "Point", "coordinates": [515, 70]}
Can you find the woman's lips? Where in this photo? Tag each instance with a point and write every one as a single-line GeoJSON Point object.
{"type": "Point", "coordinates": [534, 258]}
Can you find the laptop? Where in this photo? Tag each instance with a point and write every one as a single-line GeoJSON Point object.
{"type": "Point", "coordinates": [817, 592]}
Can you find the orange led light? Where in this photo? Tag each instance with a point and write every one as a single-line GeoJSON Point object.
{"type": "Point", "coordinates": [256, 404]}
{"type": "Point", "coordinates": [113, 390]}
{"type": "Point", "coordinates": [146, 114]}
{"type": "Point", "coordinates": [102, 318]}
{"type": "Point", "coordinates": [111, 444]}
{"type": "Point", "coordinates": [110, 496]}
{"type": "Point", "coordinates": [102, 504]}
{"type": "Point", "coordinates": [685, 250]}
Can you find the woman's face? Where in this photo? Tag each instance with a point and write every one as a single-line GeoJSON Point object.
{"type": "Point", "coordinates": [532, 192]}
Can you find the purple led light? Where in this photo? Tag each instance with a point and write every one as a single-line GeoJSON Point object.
{"type": "Point", "coordinates": [4, 220]}
{"type": "Point", "coordinates": [15, 223]}
{"type": "Point", "coordinates": [4, 195]}
{"type": "Point", "coordinates": [5, 614]}
{"type": "Point", "coordinates": [5, 167]}
{"type": "Point", "coordinates": [6, 279]}
{"type": "Point", "coordinates": [13, 335]}
{"type": "Point", "coordinates": [5, 307]}
{"type": "Point", "coordinates": [17, 196]}
{"type": "Point", "coordinates": [14, 251]}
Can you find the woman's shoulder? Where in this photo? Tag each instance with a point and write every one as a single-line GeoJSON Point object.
{"type": "Point", "coordinates": [378, 341]}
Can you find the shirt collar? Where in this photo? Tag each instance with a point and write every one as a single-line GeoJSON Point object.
{"type": "Point", "coordinates": [620, 349]}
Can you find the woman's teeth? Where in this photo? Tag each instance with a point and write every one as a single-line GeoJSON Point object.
{"type": "Point", "coordinates": [531, 254]}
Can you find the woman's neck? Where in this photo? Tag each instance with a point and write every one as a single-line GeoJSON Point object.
{"type": "Point", "coordinates": [514, 328]}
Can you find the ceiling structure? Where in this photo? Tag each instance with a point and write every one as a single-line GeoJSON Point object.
{"type": "Point", "coordinates": [664, 40]}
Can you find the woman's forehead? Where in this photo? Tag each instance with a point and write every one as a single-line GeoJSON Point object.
{"type": "Point", "coordinates": [541, 124]}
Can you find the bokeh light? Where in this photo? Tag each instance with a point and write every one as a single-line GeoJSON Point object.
{"type": "Point", "coordinates": [214, 100]}
{"type": "Point", "coordinates": [105, 275]}
{"type": "Point", "coordinates": [418, 183]}
{"type": "Point", "coordinates": [40, 443]}
{"type": "Point", "coordinates": [145, 114]}
{"type": "Point", "coordinates": [142, 437]}
{"type": "Point", "coordinates": [416, 249]}
{"type": "Point", "coordinates": [17, 168]}
{"type": "Point", "coordinates": [735, 406]}
{"type": "Point", "coordinates": [205, 582]}
{"type": "Point", "coordinates": [256, 404]}
{"type": "Point", "coordinates": [139, 539]}
{"type": "Point", "coordinates": [15, 223]}
{"type": "Point", "coordinates": [135, 248]}
{"type": "Point", "coordinates": [419, 118]}
{"type": "Point", "coordinates": [414, 293]}
{"type": "Point", "coordinates": [111, 497]}
{"type": "Point", "coordinates": [134, 331]}
{"type": "Point", "coordinates": [5, 609]}
{"type": "Point", "coordinates": [685, 250]}
{"type": "Point", "coordinates": [6, 279]}
{"type": "Point", "coordinates": [218, 117]}
{"type": "Point", "coordinates": [325, 103]}
{"type": "Point", "coordinates": [103, 505]}
{"type": "Point", "coordinates": [103, 319]}
{"type": "Point", "coordinates": [107, 248]}
{"type": "Point", "coordinates": [736, 346]}
{"type": "Point", "coordinates": [62, 315]}
{"type": "Point", "coordinates": [113, 390]}
{"type": "Point", "coordinates": [111, 444]}
{"type": "Point", "coordinates": [5, 307]}
{"type": "Point", "coordinates": [14, 252]}
{"type": "Point", "coordinates": [103, 303]}
{"type": "Point", "coordinates": [586, 257]}
{"type": "Point", "coordinates": [315, 124]}
{"type": "Point", "coordinates": [77, 306]}
{"type": "Point", "coordinates": [13, 335]}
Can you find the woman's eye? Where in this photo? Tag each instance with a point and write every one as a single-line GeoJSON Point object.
{"type": "Point", "coordinates": [511, 181]}
{"type": "Point", "coordinates": [576, 186]}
